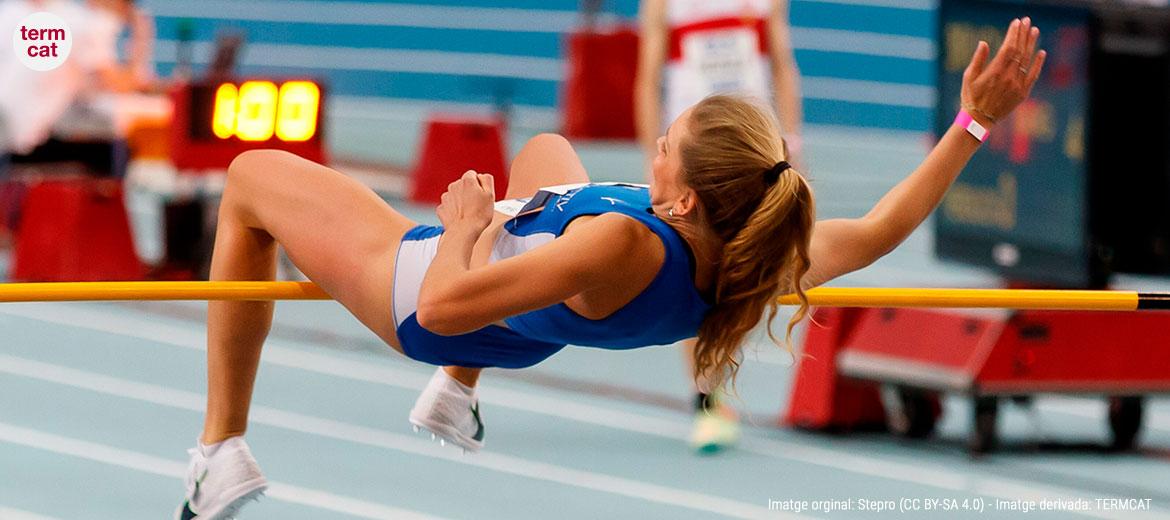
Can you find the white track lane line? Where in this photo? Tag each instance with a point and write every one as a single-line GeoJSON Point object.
{"type": "Point", "coordinates": [415, 445]}
{"type": "Point", "coordinates": [276, 354]}
{"type": "Point", "coordinates": [8, 513]}
{"type": "Point", "coordinates": [173, 469]}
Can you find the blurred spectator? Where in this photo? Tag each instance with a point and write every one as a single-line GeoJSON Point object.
{"type": "Point", "coordinates": [75, 97]}
{"type": "Point", "coordinates": [136, 71]}
{"type": "Point", "coordinates": [30, 101]}
{"type": "Point", "coordinates": [694, 48]}
{"type": "Point", "coordinates": [118, 92]}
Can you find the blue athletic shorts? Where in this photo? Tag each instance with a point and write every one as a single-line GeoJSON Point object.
{"type": "Point", "coordinates": [491, 346]}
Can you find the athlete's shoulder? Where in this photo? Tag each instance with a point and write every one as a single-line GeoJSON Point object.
{"type": "Point", "coordinates": [617, 245]}
{"type": "Point", "coordinates": [619, 235]}
{"type": "Point", "coordinates": [619, 228]}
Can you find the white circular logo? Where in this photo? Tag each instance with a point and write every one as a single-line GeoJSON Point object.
{"type": "Point", "coordinates": [42, 41]}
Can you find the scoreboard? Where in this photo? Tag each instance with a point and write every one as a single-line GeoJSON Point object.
{"type": "Point", "coordinates": [1075, 184]}
{"type": "Point", "coordinates": [1020, 205]}
{"type": "Point", "coordinates": [215, 120]}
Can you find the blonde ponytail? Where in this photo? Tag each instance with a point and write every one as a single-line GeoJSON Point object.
{"type": "Point", "coordinates": [763, 213]}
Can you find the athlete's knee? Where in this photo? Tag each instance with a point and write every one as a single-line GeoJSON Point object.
{"type": "Point", "coordinates": [245, 176]}
{"type": "Point", "coordinates": [542, 147]}
{"type": "Point", "coordinates": [252, 164]}
{"type": "Point", "coordinates": [546, 141]}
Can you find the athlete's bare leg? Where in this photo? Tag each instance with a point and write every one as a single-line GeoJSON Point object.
{"type": "Point", "coordinates": [337, 231]}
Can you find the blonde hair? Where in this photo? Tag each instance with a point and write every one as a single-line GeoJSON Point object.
{"type": "Point", "coordinates": [764, 220]}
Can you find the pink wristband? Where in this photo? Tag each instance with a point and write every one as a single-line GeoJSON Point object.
{"type": "Point", "coordinates": [968, 123]}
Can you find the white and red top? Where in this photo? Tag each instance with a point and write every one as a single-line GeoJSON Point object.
{"type": "Point", "coordinates": [715, 46]}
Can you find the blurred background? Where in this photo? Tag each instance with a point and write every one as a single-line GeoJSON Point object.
{"type": "Point", "coordinates": [386, 68]}
{"type": "Point", "coordinates": [111, 167]}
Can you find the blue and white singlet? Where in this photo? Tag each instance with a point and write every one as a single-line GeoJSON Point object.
{"type": "Point", "coordinates": [668, 310]}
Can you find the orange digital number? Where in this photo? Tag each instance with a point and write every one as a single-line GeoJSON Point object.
{"type": "Point", "coordinates": [256, 118]}
{"type": "Point", "coordinates": [296, 119]}
{"type": "Point", "coordinates": [223, 119]}
{"type": "Point", "coordinates": [257, 110]}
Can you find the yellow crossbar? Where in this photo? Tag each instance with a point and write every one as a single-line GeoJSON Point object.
{"type": "Point", "coordinates": [822, 296]}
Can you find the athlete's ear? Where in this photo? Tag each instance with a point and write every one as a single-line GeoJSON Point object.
{"type": "Point", "coordinates": [687, 203]}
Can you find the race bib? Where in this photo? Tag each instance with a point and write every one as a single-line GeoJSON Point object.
{"type": "Point", "coordinates": [726, 60]}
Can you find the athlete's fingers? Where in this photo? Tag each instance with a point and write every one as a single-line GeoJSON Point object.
{"type": "Point", "coordinates": [469, 177]}
{"type": "Point", "coordinates": [1006, 52]}
{"type": "Point", "coordinates": [487, 182]}
{"type": "Point", "coordinates": [1033, 39]}
{"type": "Point", "coordinates": [1023, 33]}
{"type": "Point", "coordinates": [978, 61]}
{"type": "Point", "coordinates": [1035, 68]}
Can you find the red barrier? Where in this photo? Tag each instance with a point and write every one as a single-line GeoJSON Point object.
{"type": "Point", "coordinates": [1016, 353]}
{"type": "Point", "coordinates": [75, 230]}
{"type": "Point", "coordinates": [453, 145]}
{"type": "Point", "coordinates": [986, 355]}
{"type": "Point", "coordinates": [11, 193]}
{"type": "Point", "coordinates": [599, 88]}
{"type": "Point", "coordinates": [821, 398]}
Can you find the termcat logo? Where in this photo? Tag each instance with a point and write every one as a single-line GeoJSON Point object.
{"type": "Point", "coordinates": [42, 41]}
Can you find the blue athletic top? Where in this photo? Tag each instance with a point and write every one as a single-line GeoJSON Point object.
{"type": "Point", "coordinates": [668, 310]}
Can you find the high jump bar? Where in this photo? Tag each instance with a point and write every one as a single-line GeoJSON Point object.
{"type": "Point", "coordinates": [1041, 299]}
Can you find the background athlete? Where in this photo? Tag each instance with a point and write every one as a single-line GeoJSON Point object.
{"type": "Point", "coordinates": [691, 49]}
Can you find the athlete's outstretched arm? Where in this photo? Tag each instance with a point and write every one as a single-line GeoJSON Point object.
{"type": "Point", "coordinates": [455, 299]}
{"type": "Point", "coordinates": [841, 246]}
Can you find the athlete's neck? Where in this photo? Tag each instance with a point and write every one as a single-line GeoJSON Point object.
{"type": "Point", "coordinates": [707, 250]}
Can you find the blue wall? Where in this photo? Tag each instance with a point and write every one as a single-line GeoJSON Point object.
{"type": "Point", "coordinates": [864, 62]}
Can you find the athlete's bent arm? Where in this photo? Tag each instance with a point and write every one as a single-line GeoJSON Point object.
{"type": "Point", "coordinates": [455, 299]}
{"type": "Point", "coordinates": [840, 246]}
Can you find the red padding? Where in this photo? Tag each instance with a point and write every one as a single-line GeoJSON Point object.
{"type": "Point", "coordinates": [75, 230]}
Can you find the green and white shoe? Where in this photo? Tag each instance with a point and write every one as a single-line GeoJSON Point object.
{"type": "Point", "coordinates": [716, 425]}
{"type": "Point", "coordinates": [220, 482]}
{"type": "Point", "coordinates": [449, 410]}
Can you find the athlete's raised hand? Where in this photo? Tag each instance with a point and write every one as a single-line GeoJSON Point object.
{"type": "Point", "coordinates": [992, 90]}
{"type": "Point", "coordinates": [468, 202]}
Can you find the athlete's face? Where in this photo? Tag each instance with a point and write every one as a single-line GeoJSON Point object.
{"type": "Point", "coordinates": [667, 189]}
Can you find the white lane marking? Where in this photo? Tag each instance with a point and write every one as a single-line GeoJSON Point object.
{"type": "Point", "coordinates": [872, 92]}
{"type": "Point", "coordinates": [411, 111]}
{"type": "Point", "coordinates": [274, 353]}
{"type": "Point", "coordinates": [865, 43]}
{"type": "Point", "coordinates": [372, 437]}
{"type": "Point", "coordinates": [174, 469]}
{"type": "Point", "coordinates": [8, 513]}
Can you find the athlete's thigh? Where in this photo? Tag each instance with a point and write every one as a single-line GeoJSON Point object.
{"type": "Point", "coordinates": [545, 160]}
{"type": "Point", "coordinates": [336, 230]}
